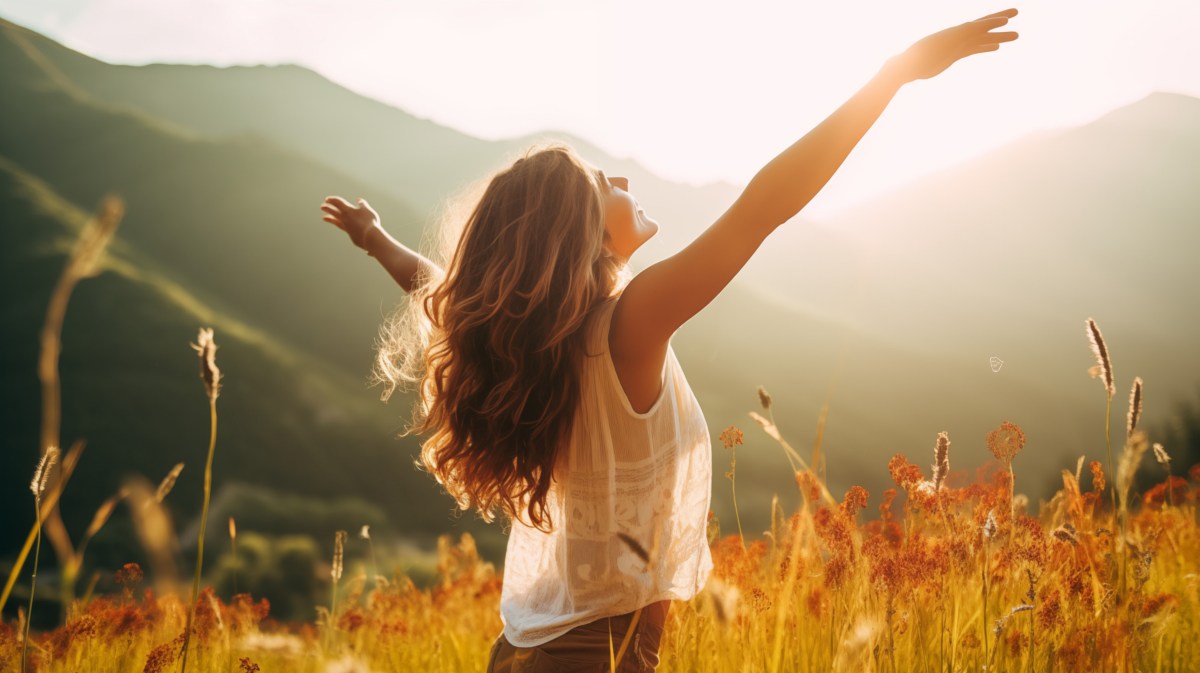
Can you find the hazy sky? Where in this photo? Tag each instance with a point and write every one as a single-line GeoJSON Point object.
{"type": "Point", "coordinates": [695, 90]}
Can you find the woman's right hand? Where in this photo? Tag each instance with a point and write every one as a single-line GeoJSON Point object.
{"type": "Point", "coordinates": [356, 221]}
{"type": "Point", "coordinates": [933, 54]}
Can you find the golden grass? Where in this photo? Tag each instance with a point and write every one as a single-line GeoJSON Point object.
{"type": "Point", "coordinates": [957, 579]}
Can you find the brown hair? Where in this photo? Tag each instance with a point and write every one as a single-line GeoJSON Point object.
{"type": "Point", "coordinates": [496, 346]}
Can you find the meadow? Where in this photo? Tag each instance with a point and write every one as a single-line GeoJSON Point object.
{"type": "Point", "coordinates": [946, 571]}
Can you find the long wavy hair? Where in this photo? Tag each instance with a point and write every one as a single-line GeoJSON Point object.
{"type": "Point", "coordinates": [495, 347]}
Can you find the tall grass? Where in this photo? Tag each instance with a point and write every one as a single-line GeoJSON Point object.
{"type": "Point", "coordinates": [210, 374]}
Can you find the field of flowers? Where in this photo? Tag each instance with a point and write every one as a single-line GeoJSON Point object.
{"type": "Point", "coordinates": [938, 577]}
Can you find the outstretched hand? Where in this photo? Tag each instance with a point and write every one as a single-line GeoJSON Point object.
{"type": "Point", "coordinates": [356, 221]}
{"type": "Point", "coordinates": [933, 54]}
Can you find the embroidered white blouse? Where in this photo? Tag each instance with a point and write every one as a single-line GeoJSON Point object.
{"type": "Point", "coordinates": [647, 475]}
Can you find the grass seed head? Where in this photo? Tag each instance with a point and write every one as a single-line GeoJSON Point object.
{"type": "Point", "coordinates": [1103, 366]}
{"type": "Point", "coordinates": [41, 476]}
{"type": "Point", "coordinates": [339, 541]}
{"type": "Point", "coordinates": [1135, 406]}
{"type": "Point", "coordinates": [1161, 455]}
{"type": "Point", "coordinates": [941, 460]}
{"type": "Point", "coordinates": [206, 347]}
{"type": "Point", "coordinates": [764, 398]}
{"type": "Point", "coordinates": [168, 482]}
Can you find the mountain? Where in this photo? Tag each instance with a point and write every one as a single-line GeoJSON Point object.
{"type": "Point", "coordinates": [888, 314]}
{"type": "Point", "coordinates": [130, 387]}
{"type": "Point", "coordinates": [415, 160]}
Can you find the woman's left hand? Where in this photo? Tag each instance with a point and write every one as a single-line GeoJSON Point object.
{"type": "Point", "coordinates": [356, 221]}
{"type": "Point", "coordinates": [933, 54]}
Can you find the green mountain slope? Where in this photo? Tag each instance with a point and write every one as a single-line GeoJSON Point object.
{"type": "Point", "coordinates": [235, 220]}
{"type": "Point", "coordinates": [1009, 254]}
{"type": "Point", "coordinates": [130, 388]}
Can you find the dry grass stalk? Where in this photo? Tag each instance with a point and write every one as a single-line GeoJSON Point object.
{"type": "Point", "coordinates": [941, 460]}
{"type": "Point", "coordinates": [155, 532]}
{"type": "Point", "coordinates": [1135, 406]}
{"type": "Point", "coordinates": [82, 263]}
{"type": "Point", "coordinates": [1161, 455]}
{"type": "Point", "coordinates": [54, 491]}
{"type": "Point", "coordinates": [206, 348]}
{"type": "Point", "coordinates": [41, 476]}
{"type": "Point", "coordinates": [339, 543]}
{"type": "Point", "coordinates": [168, 482]}
{"type": "Point", "coordinates": [764, 398]}
{"type": "Point", "coordinates": [1103, 367]}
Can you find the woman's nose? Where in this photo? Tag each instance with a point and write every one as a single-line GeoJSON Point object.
{"type": "Point", "coordinates": [620, 183]}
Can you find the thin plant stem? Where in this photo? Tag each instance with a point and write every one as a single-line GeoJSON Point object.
{"type": "Point", "coordinates": [985, 596]}
{"type": "Point", "coordinates": [32, 583]}
{"type": "Point", "coordinates": [212, 443]}
{"type": "Point", "coordinates": [1032, 650]}
{"type": "Point", "coordinates": [733, 488]}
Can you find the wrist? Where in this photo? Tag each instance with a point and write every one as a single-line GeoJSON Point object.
{"type": "Point", "coordinates": [371, 242]}
{"type": "Point", "coordinates": [894, 72]}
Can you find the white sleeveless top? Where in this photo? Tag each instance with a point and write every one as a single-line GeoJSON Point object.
{"type": "Point", "coordinates": [648, 476]}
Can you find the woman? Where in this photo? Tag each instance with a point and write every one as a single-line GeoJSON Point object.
{"type": "Point", "coordinates": [549, 389]}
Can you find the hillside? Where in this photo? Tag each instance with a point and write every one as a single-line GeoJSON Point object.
{"type": "Point", "coordinates": [130, 389]}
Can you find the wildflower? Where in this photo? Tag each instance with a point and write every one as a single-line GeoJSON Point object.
{"type": "Point", "coordinates": [1097, 476]}
{"type": "Point", "coordinates": [905, 474]}
{"type": "Point", "coordinates": [941, 460]}
{"type": "Point", "coordinates": [1006, 441]}
{"type": "Point", "coordinates": [732, 437]}
{"type": "Point", "coordinates": [854, 501]}
{"type": "Point", "coordinates": [1103, 368]}
{"type": "Point", "coordinates": [232, 529]}
{"type": "Point", "coordinates": [209, 372]}
{"type": "Point", "coordinates": [1135, 406]}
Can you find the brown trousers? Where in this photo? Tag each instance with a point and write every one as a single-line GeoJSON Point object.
{"type": "Point", "coordinates": [584, 649]}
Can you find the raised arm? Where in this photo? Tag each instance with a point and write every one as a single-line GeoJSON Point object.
{"type": "Point", "coordinates": [665, 295]}
{"type": "Point", "coordinates": [361, 223]}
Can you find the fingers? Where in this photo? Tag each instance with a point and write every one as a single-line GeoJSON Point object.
{"type": "Point", "coordinates": [338, 201]}
{"type": "Point", "coordinates": [1007, 14]}
{"type": "Point", "coordinates": [996, 38]}
{"type": "Point", "coordinates": [333, 215]}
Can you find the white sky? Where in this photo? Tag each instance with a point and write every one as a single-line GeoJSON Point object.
{"type": "Point", "coordinates": [695, 90]}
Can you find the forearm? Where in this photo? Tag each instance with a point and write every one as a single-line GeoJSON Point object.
{"type": "Point", "coordinates": [792, 179]}
{"type": "Point", "coordinates": [407, 267]}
